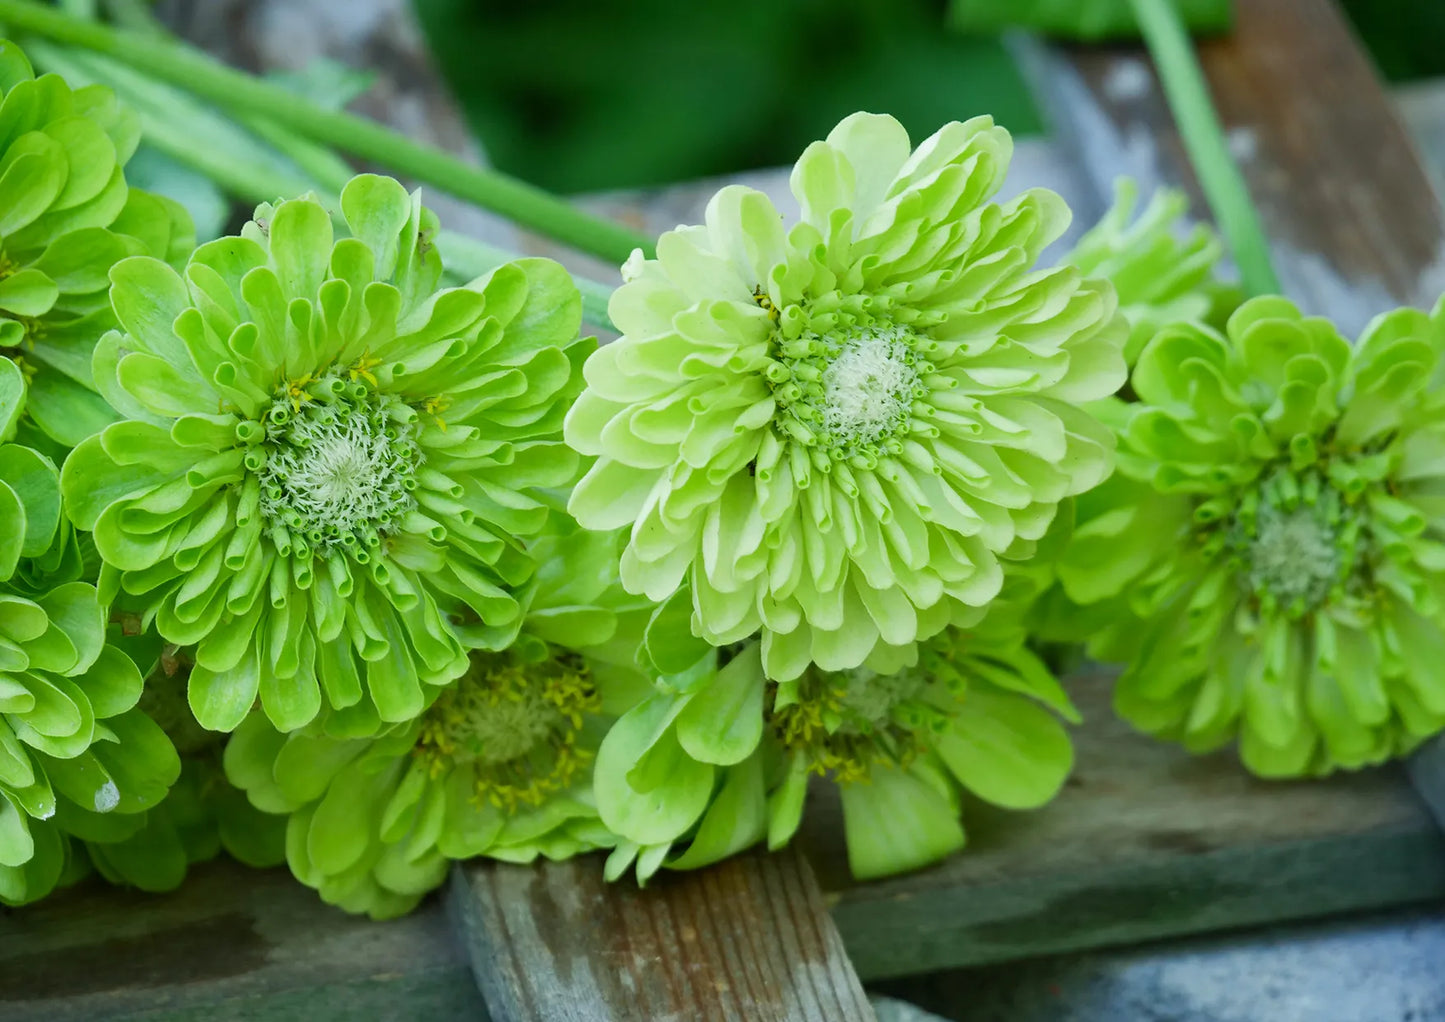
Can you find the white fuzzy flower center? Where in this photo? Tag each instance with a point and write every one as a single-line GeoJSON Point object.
{"type": "Point", "coordinates": [868, 388]}
{"type": "Point", "coordinates": [339, 472]}
{"type": "Point", "coordinates": [1294, 555]}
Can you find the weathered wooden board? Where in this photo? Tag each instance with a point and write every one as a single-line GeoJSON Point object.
{"type": "Point", "coordinates": [746, 941]}
{"type": "Point", "coordinates": [233, 944]}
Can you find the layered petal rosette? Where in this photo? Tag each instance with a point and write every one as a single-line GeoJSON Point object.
{"type": "Point", "coordinates": [329, 466]}
{"type": "Point", "coordinates": [1162, 273]}
{"type": "Point", "coordinates": [77, 758]}
{"type": "Point", "coordinates": [500, 765]}
{"type": "Point", "coordinates": [832, 430]}
{"type": "Point", "coordinates": [66, 217]}
{"type": "Point", "coordinates": [720, 758]}
{"type": "Point", "coordinates": [201, 816]}
{"type": "Point", "coordinates": [1271, 553]}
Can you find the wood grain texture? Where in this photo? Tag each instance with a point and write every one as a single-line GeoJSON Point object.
{"type": "Point", "coordinates": [748, 940]}
{"type": "Point", "coordinates": [233, 944]}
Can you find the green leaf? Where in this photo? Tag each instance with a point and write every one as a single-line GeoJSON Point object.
{"type": "Point", "coordinates": [737, 818]}
{"type": "Point", "coordinates": [678, 786]}
{"type": "Point", "coordinates": [12, 396]}
{"type": "Point", "coordinates": [13, 530]}
{"type": "Point", "coordinates": [1006, 749]}
{"type": "Point", "coordinates": [67, 412]}
{"type": "Point", "coordinates": [34, 479]}
{"type": "Point", "coordinates": [894, 822]}
{"type": "Point", "coordinates": [723, 722]}
{"type": "Point", "coordinates": [28, 293]}
{"type": "Point", "coordinates": [16, 845]}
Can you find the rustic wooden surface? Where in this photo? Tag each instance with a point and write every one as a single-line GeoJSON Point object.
{"type": "Point", "coordinates": [233, 944]}
{"type": "Point", "coordinates": [746, 941]}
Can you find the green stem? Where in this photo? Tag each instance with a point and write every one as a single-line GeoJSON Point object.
{"type": "Point", "coordinates": [1219, 176]}
{"type": "Point", "coordinates": [175, 126]}
{"type": "Point", "coordinates": [527, 205]}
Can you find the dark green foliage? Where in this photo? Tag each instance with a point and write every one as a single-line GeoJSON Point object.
{"type": "Point", "coordinates": [1079, 19]}
{"type": "Point", "coordinates": [574, 95]}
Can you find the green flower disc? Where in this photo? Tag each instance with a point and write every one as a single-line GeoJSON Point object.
{"type": "Point", "coordinates": [834, 429]}
{"type": "Point", "coordinates": [1271, 554]}
{"type": "Point", "coordinates": [202, 815]}
{"type": "Point", "coordinates": [499, 765]}
{"type": "Point", "coordinates": [719, 758]}
{"type": "Point", "coordinates": [77, 757]}
{"type": "Point", "coordinates": [330, 466]}
{"type": "Point", "coordinates": [1161, 277]}
{"type": "Point", "coordinates": [66, 217]}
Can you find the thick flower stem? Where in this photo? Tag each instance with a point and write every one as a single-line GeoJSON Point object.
{"type": "Point", "coordinates": [527, 205]}
{"type": "Point", "coordinates": [176, 131]}
{"type": "Point", "coordinates": [1224, 187]}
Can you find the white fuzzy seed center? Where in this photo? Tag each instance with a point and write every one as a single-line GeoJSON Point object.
{"type": "Point", "coordinates": [868, 387]}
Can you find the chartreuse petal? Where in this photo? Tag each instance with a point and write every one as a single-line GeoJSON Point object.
{"type": "Point", "coordinates": [1006, 749]}
{"type": "Point", "coordinates": [894, 822]}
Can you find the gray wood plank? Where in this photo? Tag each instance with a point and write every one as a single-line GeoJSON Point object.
{"type": "Point", "coordinates": [233, 944]}
{"type": "Point", "coordinates": [748, 940]}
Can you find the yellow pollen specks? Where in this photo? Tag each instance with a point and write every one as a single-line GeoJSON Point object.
{"type": "Point", "coordinates": [434, 406]}
{"type": "Point", "coordinates": [297, 393]}
{"type": "Point", "coordinates": [362, 368]}
{"type": "Point", "coordinates": [765, 300]}
{"type": "Point", "coordinates": [845, 722]}
{"type": "Point", "coordinates": [515, 726]}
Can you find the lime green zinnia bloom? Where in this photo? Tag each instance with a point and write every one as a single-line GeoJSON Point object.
{"type": "Point", "coordinates": [719, 758]}
{"type": "Point", "coordinates": [76, 755]}
{"type": "Point", "coordinates": [499, 765]}
{"type": "Point", "coordinates": [66, 217]}
{"type": "Point", "coordinates": [202, 815]}
{"type": "Point", "coordinates": [834, 429]}
{"type": "Point", "coordinates": [1161, 277]}
{"type": "Point", "coordinates": [1270, 552]}
{"type": "Point", "coordinates": [330, 465]}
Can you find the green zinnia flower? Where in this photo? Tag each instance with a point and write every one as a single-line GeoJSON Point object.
{"type": "Point", "coordinates": [500, 765]}
{"type": "Point", "coordinates": [719, 758]}
{"type": "Point", "coordinates": [203, 813]}
{"type": "Point", "coordinates": [1161, 277]}
{"type": "Point", "coordinates": [329, 463]}
{"type": "Point", "coordinates": [66, 217]}
{"type": "Point", "coordinates": [834, 429]}
{"type": "Point", "coordinates": [1271, 550]}
{"type": "Point", "coordinates": [76, 756]}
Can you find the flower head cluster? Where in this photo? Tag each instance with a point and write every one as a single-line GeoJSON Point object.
{"type": "Point", "coordinates": [1271, 554]}
{"type": "Point", "coordinates": [1161, 277]}
{"type": "Point", "coordinates": [720, 758]}
{"type": "Point", "coordinates": [329, 467]}
{"type": "Point", "coordinates": [499, 765]}
{"type": "Point", "coordinates": [77, 758]}
{"type": "Point", "coordinates": [832, 431]}
{"type": "Point", "coordinates": [66, 217]}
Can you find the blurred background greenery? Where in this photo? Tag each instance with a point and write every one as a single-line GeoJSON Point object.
{"type": "Point", "coordinates": [576, 95]}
